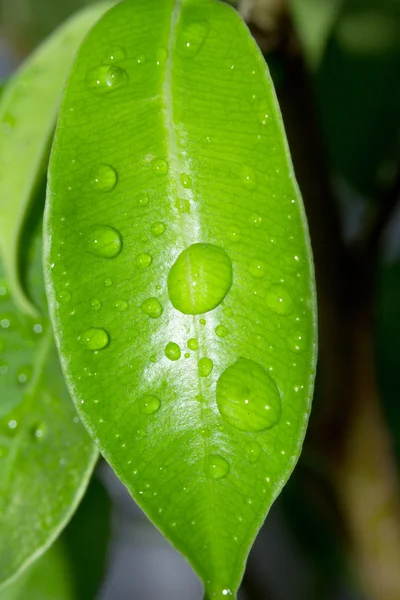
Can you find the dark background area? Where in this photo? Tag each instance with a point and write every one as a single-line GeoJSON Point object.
{"type": "Point", "coordinates": [334, 533]}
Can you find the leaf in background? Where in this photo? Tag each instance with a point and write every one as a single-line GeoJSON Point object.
{"type": "Point", "coordinates": [86, 539]}
{"type": "Point", "coordinates": [28, 112]}
{"type": "Point", "coordinates": [175, 225]}
{"type": "Point", "coordinates": [46, 457]}
{"type": "Point", "coordinates": [46, 579]}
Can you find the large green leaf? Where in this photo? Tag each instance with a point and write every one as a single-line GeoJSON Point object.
{"type": "Point", "coordinates": [28, 111]}
{"type": "Point", "coordinates": [46, 456]}
{"type": "Point", "coordinates": [179, 273]}
{"type": "Point", "coordinates": [46, 579]}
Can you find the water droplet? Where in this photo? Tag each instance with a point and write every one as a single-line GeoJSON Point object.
{"type": "Point", "coordinates": [203, 322]}
{"type": "Point", "coordinates": [253, 451]}
{"type": "Point", "coordinates": [39, 431]}
{"type": "Point", "coordinates": [247, 397]}
{"type": "Point", "coordinates": [107, 78]}
{"type": "Point", "coordinates": [217, 467]}
{"type": "Point", "coordinates": [228, 312]}
{"type": "Point", "coordinates": [38, 328]}
{"type": "Point", "coordinates": [234, 235]}
{"type": "Point", "coordinates": [257, 268]}
{"type": "Point", "coordinates": [279, 300]}
{"type": "Point", "coordinates": [141, 59]}
{"type": "Point", "coordinates": [104, 241]}
{"type": "Point", "coordinates": [221, 331]}
{"type": "Point", "coordinates": [115, 55]}
{"type": "Point", "coordinates": [187, 354]}
{"type": "Point", "coordinates": [255, 220]}
{"type": "Point", "coordinates": [149, 404]}
{"type": "Point", "coordinates": [248, 178]}
{"type": "Point", "coordinates": [199, 398]}
{"type": "Point", "coordinates": [12, 427]}
{"type": "Point", "coordinates": [263, 114]}
{"type": "Point", "coordinates": [142, 199]}
{"type": "Point", "coordinates": [157, 228]}
{"type": "Point", "coordinates": [205, 366]}
{"type": "Point", "coordinates": [186, 181]}
{"type": "Point", "coordinates": [121, 305]}
{"type": "Point", "coordinates": [94, 338]}
{"type": "Point", "coordinates": [160, 166]}
{"type": "Point", "coordinates": [3, 452]}
{"type": "Point", "coordinates": [104, 178]}
{"type": "Point", "coordinates": [152, 308]}
{"type": "Point", "coordinates": [172, 351]}
{"type": "Point", "coordinates": [64, 296]}
{"type": "Point", "coordinates": [299, 342]}
{"type": "Point", "coordinates": [143, 260]}
{"type": "Point", "coordinates": [161, 56]}
{"type": "Point", "coordinates": [199, 279]}
{"type": "Point", "coordinates": [3, 291]}
{"type": "Point", "coordinates": [6, 321]}
{"type": "Point", "coordinates": [95, 304]}
{"type": "Point", "coordinates": [192, 38]}
{"type": "Point", "coordinates": [182, 205]}
{"type": "Point", "coordinates": [192, 344]}
{"type": "Point", "coordinates": [24, 374]}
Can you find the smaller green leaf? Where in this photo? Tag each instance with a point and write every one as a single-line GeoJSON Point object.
{"type": "Point", "coordinates": [46, 457]}
{"type": "Point", "coordinates": [28, 112]}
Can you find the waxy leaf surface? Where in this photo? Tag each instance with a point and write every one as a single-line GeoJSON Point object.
{"type": "Point", "coordinates": [46, 456]}
{"type": "Point", "coordinates": [175, 229]}
{"type": "Point", "coordinates": [28, 112]}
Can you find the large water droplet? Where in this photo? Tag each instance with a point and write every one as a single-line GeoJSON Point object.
{"type": "Point", "coordinates": [172, 351]}
{"type": "Point", "coordinates": [193, 344]}
{"type": "Point", "coordinates": [104, 178]}
{"type": "Point", "coordinates": [199, 279]}
{"type": "Point", "coordinates": [221, 331]}
{"type": "Point", "coordinates": [247, 397]}
{"type": "Point", "coordinates": [94, 338]}
{"type": "Point", "coordinates": [205, 366]}
{"type": "Point", "coordinates": [149, 404]}
{"type": "Point", "coordinates": [257, 268]}
{"type": "Point", "coordinates": [157, 228]}
{"type": "Point", "coordinates": [279, 300]}
{"type": "Point", "coordinates": [217, 467]}
{"type": "Point", "coordinates": [152, 308]}
{"type": "Point", "coordinates": [143, 260]}
{"type": "Point", "coordinates": [192, 38]}
{"type": "Point", "coordinates": [104, 241]}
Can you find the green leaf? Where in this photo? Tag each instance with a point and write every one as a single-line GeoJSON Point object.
{"type": "Point", "coordinates": [28, 112]}
{"type": "Point", "coordinates": [46, 456]}
{"type": "Point", "coordinates": [46, 579]}
{"type": "Point", "coordinates": [175, 223]}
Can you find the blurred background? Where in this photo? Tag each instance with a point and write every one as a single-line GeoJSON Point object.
{"type": "Point", "coordinates": [334, 533]}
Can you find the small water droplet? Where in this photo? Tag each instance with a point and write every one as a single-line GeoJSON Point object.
{"type": "Point", "coordinates": [142, 199]}
{"type": "Point", "coordinates": [107, 78]}
{"type": "Point", "coordinates": [161, 56]}
{"type": "Point", "coordinates": [234, 235]}
{"type": "Point", "coordinates": [121, 305]}
{"type": "Point", "coordinates": [192, 38]}
{"type": "Point", "coordinates": [186, 181]}
{"type": "Point", "coordinates": [64, 296]}
{"type": "Point", "coordinates": [108, 282]}
{"type": "Point", "coordinates": [299, 342]}
{"type": "Point", "coordinates": [157, 228]}
{"type": "Point", "coordinates": [95, 304]}
{"type": "Point", "coordinates": [160, 166]}
{"type": "Point", "coordinates": [248, 178]}
{"type": "Point", "coordinates": [115, 55]}
{"type": "Point", "coordinates": [192, 344]}
{"type": "Point", "coordinates": [149, 404]}
{"type": "Point", "coordinates": [24, 374]}
{"type": "Point", "coordinates": [217, 467]}
{"type": "Point", "coordinates": [3, 291]}
{"type": "Point", "coordinates": [199, 398]}
{"type": "Point", "coordinates": [38, 328]}
{"type": "Point", "coordinates": [257, 268]}
{"type": "Point", "coordinates": [279, 300]}
{"type": "Point", "coordinates": [141, 59]}
{"type": "Point", "coordinates": [182, 205]}
{"type": "Point", "coordinates": [247, 397]}
{"type": "Point", "coordinates": [39, 431]}
{"type": "Point", "coordinates": [255, 219]}
{"type": "Point", "coordinates": [94, 338]}
{"type": "Point", "coordinates": [228, 312]}
{"type": "Point", "coordinates": [202, 322]}
{"type": "Point", "coordinates": [143, 260]}
{"type": "Point", "coordinates": [172, 351]}
{"type": "Point", "coordinates": [253, 451]}
{"type": "Point", "coordinates": [205, 366]}
{"type": "Point", "coordinates": [104, 241]}
{"type": "Point", "coordinates": [152, 308]}
{"type": "Point", "coordinates": [104, 178]}
{"type": "Point", "coordinates": [199, 279]}
{"type": "Point", "coordinates": [221, 331]}
{"type": "Point", "coordinates": [12, 427]}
